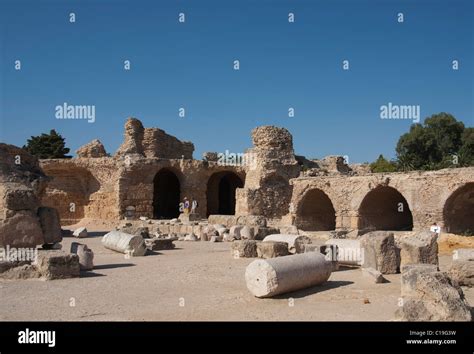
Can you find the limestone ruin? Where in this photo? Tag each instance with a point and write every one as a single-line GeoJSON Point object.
{"type": "Point", "coordinates": [152, 172]}
{"type": "Point", "coordinates": [269, 202]}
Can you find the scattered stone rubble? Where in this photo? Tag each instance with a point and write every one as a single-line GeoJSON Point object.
{"type": "Point", "coordinates": [430, 295]}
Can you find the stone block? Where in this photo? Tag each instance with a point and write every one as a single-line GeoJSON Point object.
{"type": "Point", "coordinates": [57, 265]}
{"type": "Point", "coordinates": [422, 247]}
{"type": "Point", "coordinates": [380, 252]}
{"type": "Point", "coordinates": [244, 249]}
{"type": "Point", "coordinates": [272, 249]}
{"type": "Point", "coordinates": [462, 272]}
{"type": "Point", "coordinates": [430, 295]}
{"type": "Point", "coordinates": [50, 224]}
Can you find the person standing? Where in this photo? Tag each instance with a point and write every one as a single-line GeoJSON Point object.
{"type": "Point", "coordinates": [435, 228]}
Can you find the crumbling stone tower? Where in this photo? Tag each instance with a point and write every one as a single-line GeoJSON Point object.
{"type": "Point", "coordinates": [267, 189]}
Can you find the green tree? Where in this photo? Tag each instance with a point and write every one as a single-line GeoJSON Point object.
{"type": "Point", "coordinates": [432, 145]}
{"type": "Point", "coordinates": [383, 165]}
{"type": "Point", "coordinates": [466, 152]}
{"type": "Point", "coordinates": [47, 146]}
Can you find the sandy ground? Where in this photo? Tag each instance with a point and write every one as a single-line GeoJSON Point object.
{"type": "Point", "coordinates": [194, 281]}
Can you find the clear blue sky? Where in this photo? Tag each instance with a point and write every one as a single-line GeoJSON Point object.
{"type": "Point", "coordinates": [191, 65]}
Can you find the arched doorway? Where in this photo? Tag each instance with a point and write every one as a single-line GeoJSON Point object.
{"type": "Point", "coordinates": [221, 193]}
{"type": "Point", "coordinates": [458, 211]}
{"type": "Point", "coordinates": [385, 208]}
{"type": "Point", "coordinates": [166, 195]}
{"type": "Point", "coordinates": [316, 212]}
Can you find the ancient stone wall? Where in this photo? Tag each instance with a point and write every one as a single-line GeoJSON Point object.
{"type": "Point", "coordinates": [24, 222]}
{"type": "Point", "coordinates": [156, 143]}
{"type": "Point", "coordinates": [82, 188]}
{"type": "Point", "coordinates": [139, 183]}
{"type": "Point", "coordinates": [271, 183]}
{"type": "Point", "coordinates": [360, 201]}
{"type": "Point", "coordinates": [152, 142]}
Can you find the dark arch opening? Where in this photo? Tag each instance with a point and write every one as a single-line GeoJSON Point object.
{"type": "Point", "coordinates": [459, 211]}
{"type": "Point", "coordinates": [316, 212]}
{"type": "Point", "coordinates": [166, 195]}
{"type": "Point", "coordinates": [385, 208]}
{"type": "Point", "coordinates": [221, 193]}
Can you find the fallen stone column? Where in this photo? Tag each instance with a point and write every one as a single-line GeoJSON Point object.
{"type": "Point", "coordinates": [296, 243]}
{"type": "Point", "coordinates": [266, 278]}
{"type": "Point", "coordinates": [125, 243]}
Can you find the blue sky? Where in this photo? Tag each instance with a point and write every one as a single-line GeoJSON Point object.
{"type": "Point", "coordinates": [190, 65]}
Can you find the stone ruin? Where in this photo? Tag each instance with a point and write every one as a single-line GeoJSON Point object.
{"type": "Point", "coordinates": [268, 205]}
{"type": "Point", "coordinates": [152, 172]}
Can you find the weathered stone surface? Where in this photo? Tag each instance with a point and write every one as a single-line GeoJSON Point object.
{"type": "Point", "coordinates": [295, 242]}
{"type": "Point", "coordinates": [380, 252]}
{"type": "Point", "coordinates": [272, 249]}
{"type": "Point", "coordinates": [216, 239]}
{"type": "Point", "coordinates": [246, 233]}
{"type": "Point", "coordinates": [261, 232]}
{"type": "Point", "coordinates": [267, 190]}
{"type": "Point", "coordinates": [85, 254]}
{"type": "Point", "coordinates": [270, 277]}
{"type": "Point", "coordinates": [21, 182]}
{"type": "Point", "coordinates": [142, 231]}
{"type": "Point", "coordinates": [21, 230]}
{"type": "Point", "coordinates": [57, 265]}
{"type": "Point", "coordinates": [224, 220]}
{"type": "Point", "coordinates": [134, 133]}
{"type": "Point", "coordinates": [222, 230]}
{"type": "Point", "coordinates": [158, 144]}
{"type": "Point", "coordinates": [462, 272]}
{"type": "Point", "coordinates": [210, 156]}
{"type": "Point", "coordinates": [49, 221]}
{"type": "Point", "coordinates": [252, 220]}
{"type": "Point", "coordinates": [80, 232]}
{"type": "Point", "coordinates": [463, 254]}
{"type": "Point", "coordinates": [234, 231]}
{"type": "Point", "coordinates": [430, 295]}
{"type": "Point", "coordinates": [17, 196]}
{"type": "Point", "coordinates": [422, 247]}
{"type": "Point", "coordinates": [125, 243]}
{"type": "Point", "coordinates": [373, 274]}
{"type": "Point", "coordinates": [18, 270]}
{"type": "Point", "coordinates": [289, 229]}
{"type": "Point", "coordinates": [244, 249]}
{"type": "Point", "coordinates": [157, 244]}
{"type": "Point", "coordinates": [228, 238]}
{"type": "Point", "coordinates": [93, 149]}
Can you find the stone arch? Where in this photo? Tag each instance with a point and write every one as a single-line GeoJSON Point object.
{"type": "Point", "coordinates": [385, 208]}
{"type": "Point", "coordinates": [166, 194]}
{"type": "Point", "coordinates": [221, 188]}
{"type": "Point", "coordinates": [458, 211]}
{"type": "Point", "coordinates": [315, 212]}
